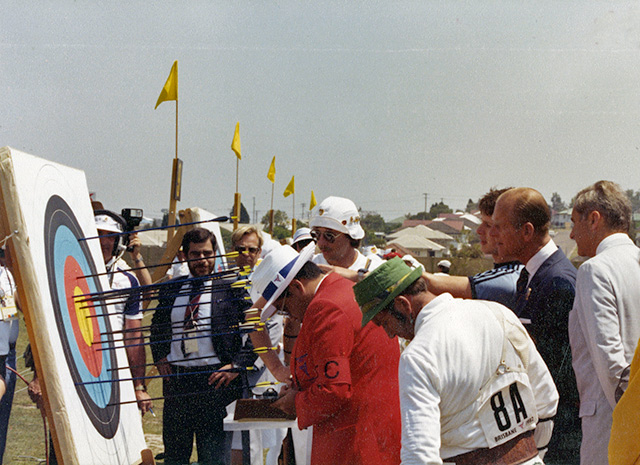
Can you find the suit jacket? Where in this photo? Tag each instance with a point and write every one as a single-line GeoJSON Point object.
{"type": "Point", "coordinates": [604, 327]}
{"type": "Point", "coordinates": [226, 313]}
{"type": "Point", "coordinates": [547, 302]}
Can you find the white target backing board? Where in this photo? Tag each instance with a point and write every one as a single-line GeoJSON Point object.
{"type": "Point", "coordinates": [46, 207]}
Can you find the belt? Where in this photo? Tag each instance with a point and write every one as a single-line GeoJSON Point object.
{"type": "Point", "coordinates": [515, 451]}
{"type": "Point", "coordinates": [195, 369]}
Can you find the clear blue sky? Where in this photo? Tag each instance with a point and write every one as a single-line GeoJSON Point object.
{"type": "Point", "coordinates": [378, 101]}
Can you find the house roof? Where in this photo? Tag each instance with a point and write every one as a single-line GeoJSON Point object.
{"type": "Point", "coordinates": [411, 241]}
{"type": "Point", "coordinates": [423, 231]}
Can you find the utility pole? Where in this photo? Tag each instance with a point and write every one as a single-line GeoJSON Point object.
{"type": "Point", "coordinates": [425, 203]}
{"type": "Point", "coordinates": [255, 219]}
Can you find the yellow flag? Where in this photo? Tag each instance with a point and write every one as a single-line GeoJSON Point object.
{"type": "Point", "coordinates": [235, 144]}
{"type": "Point", "coordinates": [170, 89]}
{"type": "Point", "coordinates": [290, 188]}
{"type": "Point", "coordinates": [313, 202]}
{"type": "Point", "coordinates": [271, 175]}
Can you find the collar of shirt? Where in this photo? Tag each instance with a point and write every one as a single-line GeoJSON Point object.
{"type": "Point", "coordinates": [432, 308]}
{"type": "Point", "coordinates": [539, 258]}
{"type": "Point", "coordinates": [319, 284]}
{"type": "Point", "coordinates": [612, 241]}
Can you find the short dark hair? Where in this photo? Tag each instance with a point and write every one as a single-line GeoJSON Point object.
{"type": "Point", "coordinates": [417, 287]}
{"type": "Point", "coordinates": [609, 200]}
{"type": "Point", "coordinates": [487, 202]}
{"type": "Point", "coordinates": [197, 236]}
{"type": "Point", "coordinates": [309, 271]}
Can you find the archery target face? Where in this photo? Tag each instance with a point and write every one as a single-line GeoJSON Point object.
{"type": "Point", "coordinates": [48, 207]}
{"type": "Point", "coordinates": [89, 354]}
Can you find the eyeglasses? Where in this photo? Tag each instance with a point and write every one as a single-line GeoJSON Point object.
{"type": "Point", "coordinates": [243, 249]}
{"type": "Point", "coordinates": [329, 236]}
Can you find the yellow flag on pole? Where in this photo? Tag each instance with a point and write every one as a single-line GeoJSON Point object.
{"type": "Point", "coordinates": [235, 144]}
{"type": "Point", "coordinates": [290, 188]}
{"type": "Point", "coordinates": [313, 202]}
{"type": "Point", "coordinates": [170, 89]}
{"type": "Point", "coordinates": [271, 174]}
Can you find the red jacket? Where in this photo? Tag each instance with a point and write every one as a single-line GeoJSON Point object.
{"type": "Point", "coordinates": [348, 381]}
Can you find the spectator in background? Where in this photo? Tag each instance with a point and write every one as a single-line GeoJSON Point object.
{"type": "Point", "coordinates": [604, 325]}
{"type": "Point", "coordinates": [497, 284]}
{"type": "Point", "coordinates": [301, 239]}
{"type": "Point", "coordinates": [8, 336]}
{"type": "Point", "coordinates": [544, 297]}
{"type": "Point", "coordinates": [443, 267]}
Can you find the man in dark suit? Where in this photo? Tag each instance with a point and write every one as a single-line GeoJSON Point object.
{"type": "Point", "coordinates": [198, 350]}
{"type": "Point", "coordinates": [545, 294]}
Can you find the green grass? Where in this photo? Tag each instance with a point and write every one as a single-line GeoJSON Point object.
{"type": "Point", "coordinates": [25, 438]}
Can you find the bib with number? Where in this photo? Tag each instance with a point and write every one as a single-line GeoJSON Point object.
{"type": "Point", "coordinates": [507, 409]}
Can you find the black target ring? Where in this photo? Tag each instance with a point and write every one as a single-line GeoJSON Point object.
{"type": "Point", "coordinates": [65, 254]}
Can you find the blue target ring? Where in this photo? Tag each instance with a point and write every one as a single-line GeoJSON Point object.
{"type": "Point", "coordinates": [82, 334]}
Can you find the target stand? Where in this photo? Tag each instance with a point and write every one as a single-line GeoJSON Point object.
{"type": "Point", "coordinates": [45, 208]}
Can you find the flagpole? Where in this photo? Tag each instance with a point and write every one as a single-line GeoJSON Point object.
{"type": "Point", "coordinates": [293, 220]}
{"type": "Point", "coordinates": [236, 213]}
{"type": "Point", "coordinates": [172, 200]}
{"type": "Point", "coordinates": [273, 186]}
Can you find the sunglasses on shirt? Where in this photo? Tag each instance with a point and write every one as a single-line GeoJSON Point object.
{"type": "Point", "coordinates": [328, 236]}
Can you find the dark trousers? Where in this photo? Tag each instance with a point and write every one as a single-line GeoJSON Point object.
{"type": "Point", "coordinates": [7, 400]}
{"type": "Point", "coordinates": [193, 408]}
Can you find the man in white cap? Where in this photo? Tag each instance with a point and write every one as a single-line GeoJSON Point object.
{"type": "Point", "coordinates": [113, 243]}
{"type": "Point", "coordinates": [473, 388]}
{"type": "Point", "coordinates": [337, 231]}
{"type": "Point", "coordinates": [301, 238]}
{"type": "Point", "coordinates": [344, 377]}
{"type": "Point", "coordinates": [443, 267]}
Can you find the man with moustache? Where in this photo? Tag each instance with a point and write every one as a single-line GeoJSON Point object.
{"type": "Point", "coordinates": [545, 293]}
{"type": "Point", "coordinates": [338, 233]}
{"type": "Point", "coordinates": [199, 356]}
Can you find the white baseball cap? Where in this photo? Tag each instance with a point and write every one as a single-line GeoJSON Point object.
{"type": "Point", "coordinates": [108, 224]}
{"type": "Point", "coordinates": [339, 214]}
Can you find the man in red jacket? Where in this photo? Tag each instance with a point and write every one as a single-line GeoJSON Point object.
{"type": "Point", "coordinates": [344, 377]}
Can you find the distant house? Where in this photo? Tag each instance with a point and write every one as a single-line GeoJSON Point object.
{"type": "Point", "coordinates": [417, 246]}
{"type": "Point", "coordinates": [423, 231]}
{"type": "Point", "coordinates": [561, 220]}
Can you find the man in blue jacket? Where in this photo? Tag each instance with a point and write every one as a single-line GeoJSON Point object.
{"type": "Point", "coordinates": [544, 298]}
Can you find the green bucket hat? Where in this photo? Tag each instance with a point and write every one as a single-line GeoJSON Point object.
{"type": "Point", "coordinates": [383, 285]}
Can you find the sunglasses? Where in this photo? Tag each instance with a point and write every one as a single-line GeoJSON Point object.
{"type": "Point", "coordinates": [243, 249]}
{"type": "Point", "coordinates": [329, 236]}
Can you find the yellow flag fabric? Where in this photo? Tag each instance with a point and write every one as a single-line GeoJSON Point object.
{"type": "Point", "coordinates": [235, 144]}
{"type": "Point", "coordinates": [170, 89]}
{"type": "Point", "coordinates": [290, 188]}
{"type": "Point", "coordinates": [271, 175]}
{"type": "Point", "coordinates": [313, 202]}
{"type": "Point", "coordinates": [624, 447]}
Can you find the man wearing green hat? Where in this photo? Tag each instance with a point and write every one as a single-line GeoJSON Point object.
{"type": "Point", "coordinates": [473, 388]}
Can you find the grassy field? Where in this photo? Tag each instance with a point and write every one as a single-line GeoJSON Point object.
{"type": "Point", "coordinates": [26, 440]}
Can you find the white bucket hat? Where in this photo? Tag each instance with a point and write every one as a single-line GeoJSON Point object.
{"type": "Point", "coordinates": [108, 224]}
{"type": "Point", "coordinates": [301, 235]}
{"type": "Point", "coordinates": [274, 274]}
{"type": "Point", "coordinates": [339, 214]}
